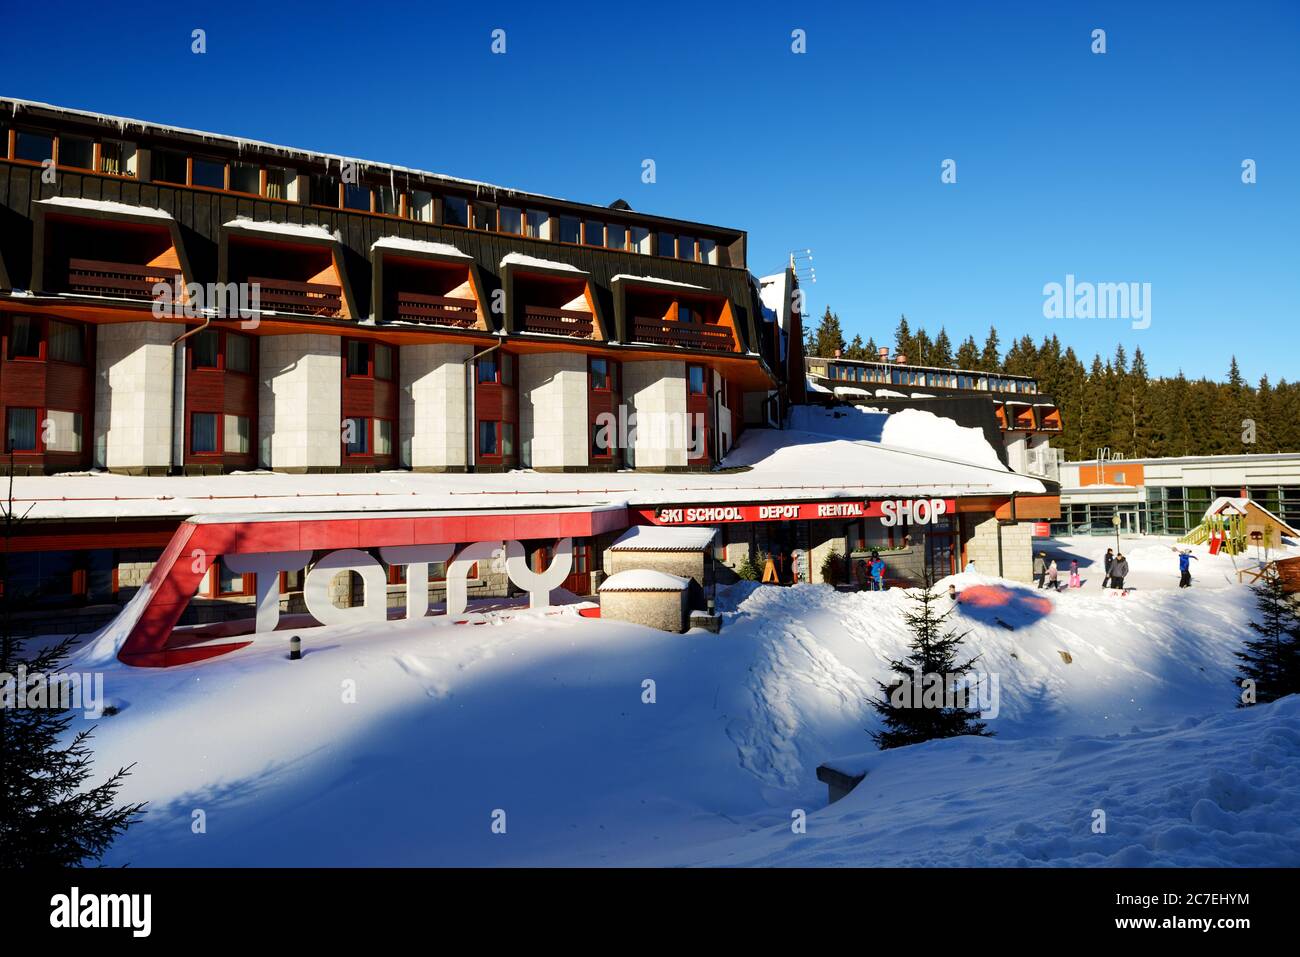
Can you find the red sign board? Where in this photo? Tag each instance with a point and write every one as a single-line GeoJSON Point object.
{"type": "Point", "coordinates": [920, 511]}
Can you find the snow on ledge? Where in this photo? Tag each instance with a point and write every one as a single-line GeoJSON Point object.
{"type": "Point", "coordinates": [644, 579]}
{"type": "Point", "coordinates": [418, 246]}
{"type": "Point", "coordinates": [105, 206]}
{"type": "Point", "coordinates": [655, 281]}
{"type": "Point", "coordinates": [519, 259]}
{"type": "Point", "coordinates": [662, 538]}
{"type": "Point", "coordinates": [295, 230]}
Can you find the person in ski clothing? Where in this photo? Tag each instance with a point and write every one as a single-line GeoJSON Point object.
{"type": "Point", "coordinates": [1118, 572]}
{"type": "Point", "coordinates": [1185, 569]}
{"type": "Point", "coordinates": [1054, 576]}
{"type": "Point", "coordinates": [878, 574]}
{"type": "Point", "coordinates": [1109, 561]}
{"type": "Point", "coordinates": [1040, 567]}
{"type": "Point", "coordinates": [1074, 573]}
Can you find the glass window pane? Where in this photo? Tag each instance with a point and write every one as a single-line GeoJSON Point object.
{"type": "Point", "coordinates": [485, 217]}
{"type": "Point", "coordinates": [358, 358]}
{"type": "Point", "coordinates": [210, 173]}
{"type": "Point", "coordinates": [36, 147]}
{"type": "Point", "coordinates": [455, 211]}
{"type": "Point", "coordinates": [22, 431]}
{"type": "Point", "coordinates": [204, 349]}
{"type": "Point", "coordinates": [507, 369]}
{"type": "Point", "coordinates": [229, 583]}
{"type": "Point", "coordinates": [487, 438]}
{"type": "Point", "coordinates": [203, 432]}
{"type": "Point", "coordinates": [383, 361]}
{"type": "Point", "coordinates": [356, 434]}
{"type": "Point", "coordinates": [25, 338]}
{"type": "Point", "coordinates": [63, 431]}
{"type": "Point", "coordinates": [685, 247]}
{"type": "Point", "coordinates": [487, 369]}
{"type": "Point", "coordinates": [568, 229]}
{"type": "Point", "coordinates": [640, 239]}
{"type": "Point", "coordinates": [615, 236]}
{"type": "Point", "coordinates": [421, 205]}
{"type": "Point", "coordinates": [246, 178]}
{"type": "Point", "coordinates": [169, 166]}
{"type": "Point", "coordinates": [708, 249]}
{"type": "Point", "coordinates": [78, 151]}
{"type": "Point", "coordinates": [66, 342]}
{"type": "Point", "coordinates": [507, 439]}
{"type": "Point", "coordinates": [593, 233]}
{"type": "Point", "coordinates": [117, 157]}
{"type": "Point", "coordinates": [356, 197]}
{"type": "Point", "coordinates": [667, 245]}
{"type": "Point", "coordinates": [696, 379]}
{"type": "Point", "coordinates": [277, 182]}
{"type": "Point", "coordinates": [383, 437]}
{"type": "Point", "coordinates": [238, 353]}
{"type": "Point", "coordinates": [237, 434]}
{"type": "Point", "coordinates": [385, 200]}
{"type": "Point", "coordinates": [538, 224]}
{"type": "Point", "coordinates": [325, 190]}
{"type": "Point", "coordinates": [511, 220]}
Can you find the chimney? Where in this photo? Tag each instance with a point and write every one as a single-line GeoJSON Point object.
{"type": "Point", "coordinates": [837, 353]}
{"type": "Point", "coordinates": [900, 359]}
{"type": "Point", "coordinates": [884, 353]}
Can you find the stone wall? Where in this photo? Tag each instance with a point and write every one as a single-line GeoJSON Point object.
{"type": "Point", "coordinates": [433, 414]}
{"type": "Point", "coordinates": [1017, 547]}
{"type": "Point", "coordinates": [300, 402]}
{"type": "Point", "coordinates": [553, 410]}
{"type": "Point", "coordinates": [656, 392]}
{"type": "Point", "coordinates": [133, 396]}
{"type": "Point", "coordinates": [665, 610]}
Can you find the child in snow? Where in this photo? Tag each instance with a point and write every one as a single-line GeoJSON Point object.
{"type": "Point", "coordinates": [1074, 573]}
{"type": "Point", "coordinates": [1185, 560]}
{"type": "Point", "coordinates": [1053, 576]}
{"type": "Point", "coordinates": [1040, 567]}
{"type": "Point", "coordinates": [878, 574]}
{"type": "Point", "coordinates": [1118, 572]}
{"type": "Point", "coordinates": [1109, 561]}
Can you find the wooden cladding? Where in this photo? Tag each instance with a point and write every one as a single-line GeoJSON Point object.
{"type": "Point", "coordinates": [557, 322]}
{"type": "Point", "coordinates": [93, 277]}
{"type": "Point", "coordinates": [689, 335]}
{"type": "Point", "coordinates": [437, 310]}
{"type": "Point", "coordinates": [300, 298]}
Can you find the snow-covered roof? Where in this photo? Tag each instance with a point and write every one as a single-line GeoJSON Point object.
{"type": "Point", "coordinates": [663, 538]}
{"type": "Point", "coordinates": [402, 244]}
{"type": "Point", "coordinates": [654, 281]}
{"type": "Point", "coordinates": [292, 230]}
{"type": "Point", "coordinates": [815, 386]}
{"type": "Point", "coordinates": [644, 579]}
{"type": "Point", "coordinates": [104, 206]}
{"type": "Point", "coordinates": [519, 259]}
{"type": "Point", "coordinates": [852, 390]}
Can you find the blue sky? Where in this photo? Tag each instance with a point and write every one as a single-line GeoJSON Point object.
{"type": "Point", "coordinates": [1120, 167]}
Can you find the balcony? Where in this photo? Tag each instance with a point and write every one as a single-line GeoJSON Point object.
{"type": "Point", "coordinates": [558, 322]}
{"type": "Point", "coordinates": [437, 310]}
{"type": "Point", "coordinates": [299, 298]}
{"type": "Point", "coordinates": [701, 336]}
{"type": "Point", "coordinates": [97, 277]}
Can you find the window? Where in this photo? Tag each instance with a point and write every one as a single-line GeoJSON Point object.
{"type": "Point", "coordinates": [511, 220]}
{"type": "Point", "coordinates": [210, 173]}
{"type": "Point", "coordinates": [63, 431]}
{"type": "Point", "coordinates": [507, 440]}
{"type": "Point", "coordinates": [36, 147]}
{"type": "Point", "coordinates": [487, 369]}
{"type": "Point", "coordinates": [228, 582]}
{"type": "Point", "coordinates": [695, 380]}
{"type": "Point", "coordinates": [203, 432]}
{"type": "Point", "coordinates": [602, 379]}
{"type": "Point", "coordinates": [640, 240]}
{"type": "Point", "coordinates": [356, 436]}
{"type": "Point", "coordinates": [708, 251]}
{"type": "Point", "coordinates": [615, 236]}
{"type": "Point", "coordinates": [358, 358]}
{"type": "Point", "coordinates": [383, 437]}
{"type": "Point", "coordinates": [383, 361]}
{"type": "Point", "coordinates": [356, 197]}
{"type": "Point", "coordinates": [66, 343]}
{"type": "Point", "coordinates": [488, 438]}
{"type": "Point", "coordinates": [455, 211]}
{"type": "Point", "coordinates": [507, 369]}
{"type": "Point", "coordinates": [667, 245]}
{"type": "Point", "coordinates": [537, 224]}
{"type": "Point", "coordinates": [421, 205]}
{"type": "Point", "coordinates": [239, 353]}
{"type": "Point", "coordinates": [485, 217]}
{"type": "Point", "coordinates": [169, 167]}
{"type": "Point", "coordinates": [21, 433]}
{"type": "Point", "coordinates": [600, 446]}
{"type": "Point", "coordinates": [78, 151]}
{"type": "Point", "coordinates": [325, 189]}
{"type": "Point", "coordinates": [686, 247]}
{"type": "Point", "coordinates": [236, 440]}
{"type": "Point", "coordinates": [593, 233]}
{"type": "Point", "coordinates": [117, 157]}
{"type": "Point", "coordinates": [569, 227]}
{"type": "Point", "coordinates": [205, 348]}
{"type": "Point", "coordinates": [386, 200]}
{"type": "Point", "coordinates": [244, 178]}
{"type": "Point", "coordinates": [25, 338]}
{"type": "Point", "coordinates": [279, 182]}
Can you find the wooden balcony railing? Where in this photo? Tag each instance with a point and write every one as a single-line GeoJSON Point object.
{"type": "Point", "coordinates": [95, 277]}
{"type": "Point", "coordinates": [436, 310]}
{"type": "Point", "coordinates": [300, 298]}
{"type": "Point", "coordinates": [558, 322]}
{"type": "Point", "coordinates": [688, 335]}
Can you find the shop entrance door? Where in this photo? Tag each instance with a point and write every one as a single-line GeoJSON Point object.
{"type": "Point", "coordinates": [579, 578]}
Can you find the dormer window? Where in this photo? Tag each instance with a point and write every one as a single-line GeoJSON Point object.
{"type": "Point", "coordinates": [77, 152]}
{"type": "Point", "coordinates": [208, 172]}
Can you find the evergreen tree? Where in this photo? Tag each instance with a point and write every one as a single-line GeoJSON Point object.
{"type": "Point", "coordinates": [49, 817]}
{"type": "Point", "coordinates": [991, 357]}
{"type": "Point", "coordinates": [872, 350]}
{"type": "Point", "coordinates": [909, 709]}
{"type": "Point", "coordinates": [922, 349]}
{"type": "Point", "coordinates": [855, 349]}
{"type": "Point", "coordinates": [941, 354]}
{"type": "Point", "coordinates": [968, 355]}
{"type": "Point", "coordinates": [828, 340]}
{"type": "Point", "coordinates": [903, 339]}
{"type": "Point", "coordinates": [1271, 661]}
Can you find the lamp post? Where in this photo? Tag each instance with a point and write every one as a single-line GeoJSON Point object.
{"type": "Point", "coordinates": [1115, 521]}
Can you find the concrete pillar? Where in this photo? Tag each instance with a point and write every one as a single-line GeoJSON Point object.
{"type": "Point", "coordinates": [553, 409]}
{"type": "Point", "coordinates": [133, 396]}
{"type": "Point", "coordinates": [825, 538]}
{"type": "Point", "coordinates": [433, 423]}
{"type": "Point", "coordinates": [299, 402]}
{"type": "Point", "coordinates": [656, 392]}
{"type": "Point", "coordinates": [1017, 547]}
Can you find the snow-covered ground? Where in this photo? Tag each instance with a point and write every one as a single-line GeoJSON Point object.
{"type": "Point", "coordinates": [397, 746]}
